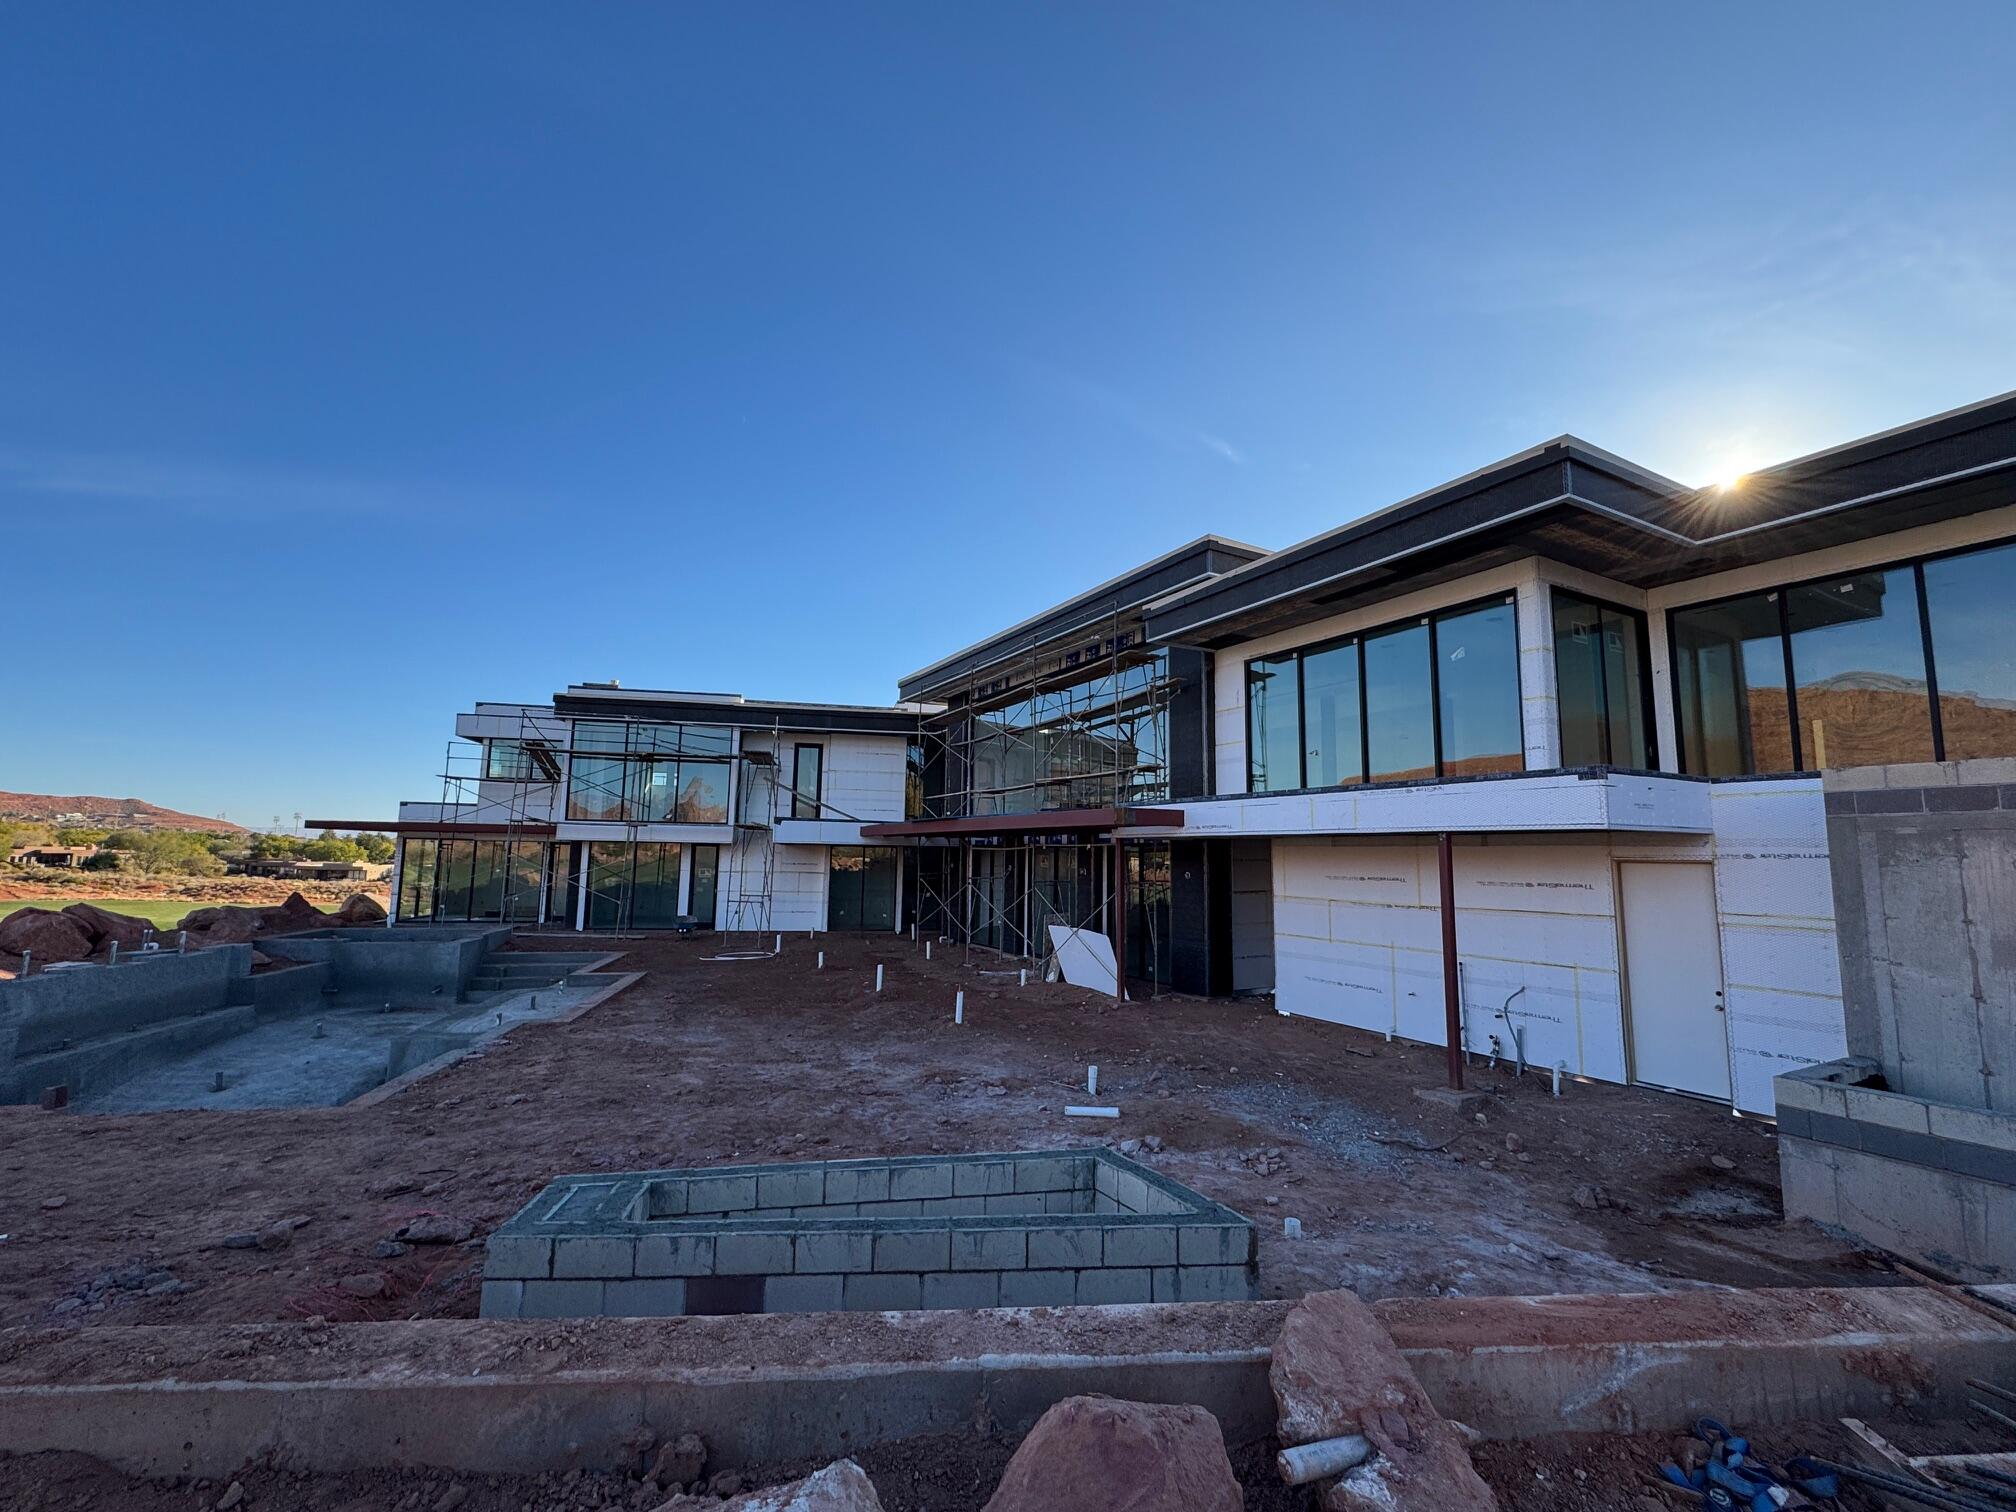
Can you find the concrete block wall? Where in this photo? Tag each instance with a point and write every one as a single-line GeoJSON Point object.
{"type": "Point", "coordinates": [1049, 1229]}
{"type": "Point", "coordinates": [1916, 1176]}
{"type": "Point", "coordinates": [44, 1011]}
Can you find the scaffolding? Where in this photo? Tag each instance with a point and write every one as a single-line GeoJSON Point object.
{"type": "Point", "coordinates": [1085, 726]}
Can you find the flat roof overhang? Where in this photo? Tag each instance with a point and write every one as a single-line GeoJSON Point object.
{"type": "Point", "coordinates": [1048, 822]}
{"type": "Point", "coordinates": [1574, 504]}
{"type": "Point", "coordinates": [1198, 560]}
{"type": "Point", "coordinates": [431, 827]}
{"type": "Point", "coordinates": [828, 719]}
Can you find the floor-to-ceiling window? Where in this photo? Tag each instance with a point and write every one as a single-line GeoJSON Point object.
{"type": "Point", "coordinates": [1437, 697]}
{"type": "Point", "coordinates": [861, 887]}
{"type": "Point", "coordinates": [1150, 948]}
{"type": "Point", "coordinates": [416, 878]}
{"type": "Point", "coordinates": [1273, 721]}
{"type": "Point", "coordinates": [1842, 671]}
{"type": "Point", "coordinates": [1858, 670]}
{"type": "Point", "coordinates": [1603, 683]}
{"type": "Point", "coordinates": [1477, 692]}
{"type": "Point", "coordinates": [1333, 731]}
{"type": "Point", "coordinates": [706, 883]}
{"type": "Point", "coordinates": [1729, 684]}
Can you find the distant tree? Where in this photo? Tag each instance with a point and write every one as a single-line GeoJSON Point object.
{"type": "Point", "coordinates": [330, 846]}
{"type": "Point", "coordinates": [276, 847]}
{"type": "Point", "coordinates": [81, 836]}
{"type": "Point", "coordinates": [377, 848]}
{"type": "Point", "coordinates": [172, 852]}
{"type": "Point", "coordinates": [105, 861]}
{"type": "Point", "coordinates": [15, 832]}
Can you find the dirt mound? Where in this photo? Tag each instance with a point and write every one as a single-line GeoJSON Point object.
{"type": "Point", "coordinates": [1097, 1454]}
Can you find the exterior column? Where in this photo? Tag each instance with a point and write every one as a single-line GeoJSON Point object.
{"type": "Point", "coordinates": [1452, 993]}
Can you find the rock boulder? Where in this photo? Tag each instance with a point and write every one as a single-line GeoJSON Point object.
{"type": "Point", "coordinates": [47, 935]}
{"type": "Point", "coordinates": [104, 926]}
{"type": "Point", "coordinates": [359, 909]}
{"type": "Point", "coordinates": [1096, 1454]}
{"type": "Point", "coordinates": [1336, 1371]}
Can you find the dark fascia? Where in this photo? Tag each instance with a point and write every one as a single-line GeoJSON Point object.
{"type": "Point", "coordinates": [1196, 561]}
{"type": "Point", "coordinates": [753, 714]}
{"type": "Point", "coordinates": [1949, 465]}
{"type": "Point", "coordinates": [1562, 471]}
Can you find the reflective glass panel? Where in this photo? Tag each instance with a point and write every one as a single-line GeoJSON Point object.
{"type": "Point", "coordinates": [1479, 691]}
{"type": "Point", "coordinates": [1974, 651]}
{"type": "Point", "coordinates": [1331, 741]}
{"type": "Point", "coordinates": [1858, 654]}
{"type": "Point", "coordinates": [1399, 713]}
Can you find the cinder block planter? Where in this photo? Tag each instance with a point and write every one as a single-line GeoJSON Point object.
{"type": "Point", "coordinates": [1049, 1228]}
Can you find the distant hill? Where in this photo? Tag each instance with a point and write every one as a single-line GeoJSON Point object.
{"type": "Point", "coordinates": [106, 813]}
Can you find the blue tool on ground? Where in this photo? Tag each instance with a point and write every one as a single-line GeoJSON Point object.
{"type": "Point", "coordinates": [1732, 1478]}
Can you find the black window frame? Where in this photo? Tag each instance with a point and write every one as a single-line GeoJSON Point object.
{"type": "Point", "coordinates": [1430, 618]}
{"type": "Point", "coordinates": [1782, 592]}
{"type": "Point", "coordinates": [818, 798]}
{"type": "Point", "coordinates": [1648, 700]}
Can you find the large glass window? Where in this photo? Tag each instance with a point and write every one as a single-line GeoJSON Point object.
{"type": "Point", "coordinates": [1602, 680]}
{"type": "Point", "coordinates": [1862, 687]}
{"type": "Point", "coordinates": [1858, 660]}
{"type": "Point", "coordinates": [1332, 734]}
{"type": "Point", "coordinates": [1273, 724]}
{"type": "Point", "coordinates": [416, 879]}
{"type": "Point", "coordinates": [1967, 601]}
{"type": "Point", "coordinates": [650, 774]}
{"type": "Point", "coordinates": [1096, 740]}
{"type": "Point", "coordinates": [806, 764]}
{"type": "Point", "coordinates": [1399, 707]}
{"type": "Point", "coordinates": [1729, 682]}
{"type": "Point", "coordinates": [1477, 691]}
{"type": "Point", "coordinates": [1314, 717]}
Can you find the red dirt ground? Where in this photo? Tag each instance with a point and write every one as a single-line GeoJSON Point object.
{"type": "Point", "coordinates": [708, 1063]}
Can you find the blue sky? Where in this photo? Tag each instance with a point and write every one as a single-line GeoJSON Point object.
{"type": "Point", "coordinates": [357, 362]}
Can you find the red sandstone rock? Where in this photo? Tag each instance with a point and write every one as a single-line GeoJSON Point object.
{"type": "Point", "coordinates": [103, 925]}
{"type": "Point", "coordinates": [1336, 1371]}
{"type": "Point", "coordinates": [45, 934]}
{"type": "Point", "coordinates": [1096, 1454]}
{"type": "Point", "coordinates": [359, 909]}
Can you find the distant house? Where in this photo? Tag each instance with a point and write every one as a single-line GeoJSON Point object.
{"type": "Point", "coordinates": [296, 869]}
{"type": "Point", "coordinates": [67, 856]}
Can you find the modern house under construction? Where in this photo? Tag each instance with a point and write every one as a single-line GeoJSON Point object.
{"type": "Point", "coordinates": [1534, 754]}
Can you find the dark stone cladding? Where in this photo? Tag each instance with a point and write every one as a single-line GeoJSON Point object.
{"type": "Point", "coordinates": [1977, 798]}
{"type": "Point", "coordinates": [1936, 1152]}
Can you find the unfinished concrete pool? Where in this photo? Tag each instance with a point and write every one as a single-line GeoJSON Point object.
{"type": "Point", "coordinates": [340, 1014]}
{"type": "Point", "coordinates": [1041, 1228]}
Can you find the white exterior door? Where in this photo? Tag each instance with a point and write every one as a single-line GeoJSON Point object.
{"type": "Point", "coordinates": [1673, 974]}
